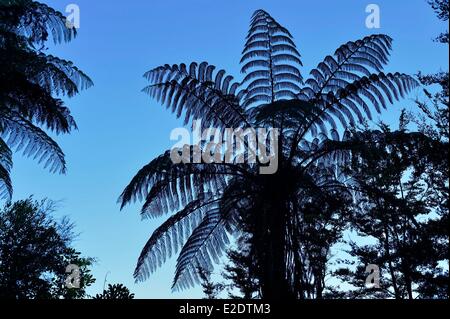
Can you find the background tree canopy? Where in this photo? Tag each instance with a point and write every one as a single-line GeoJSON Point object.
{"type": "Point", "coordinates": [115, 292]}
{"type": "Point", "coordinates": [35, 250]}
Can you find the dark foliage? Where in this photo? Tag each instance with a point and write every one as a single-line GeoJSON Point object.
{"type": "Point", "coordinates": [32, 84]}
{"type": "Point", "coordinates": [398, 207]}
{"type": "Point", "coordinates": [35, 250]}
{"type": "Point", "coordinates": [115, 292]}
{"type": "Point", "coordinates": [240, 271]}
{"type": "Point", "coordinates": [441, 7]}
{"type": "Point", "coordinates": [211, 290]}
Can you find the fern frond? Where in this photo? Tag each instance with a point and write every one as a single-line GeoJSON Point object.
{"type": "Point", "coordinates": [377, 90]}
{"type": "Point", "coordinates": [351, 61]}
{"type": "Point", "coordinates": [81, 79]}
{"type": "Point", "coordinates": [21, 135]}
{"type": "Point", "coordinates": [203, 248]}
{"type": "Point", "coordinates": [269, 52]}
{"type": "Point", "coordinates": [167, 239]}
{"type": "Point", "coordinates": [197, 94]}
{"type": "Point", "coordinates": [166, 186]}
{"type": "Point", "coordinates": [36, 104]}
{"type": "Point", "coordinates": [40, 19]}
{"type": "Point", "coordinates": [5, 169]}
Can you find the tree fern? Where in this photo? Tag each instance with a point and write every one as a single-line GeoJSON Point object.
{"type": "Point", "coordinates": [32, 83]}
{"type": "Point", "coordinates": [209, 202]}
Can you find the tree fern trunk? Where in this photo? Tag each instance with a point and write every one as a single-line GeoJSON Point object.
{"type": "Point", "coordinates": [274, 282]}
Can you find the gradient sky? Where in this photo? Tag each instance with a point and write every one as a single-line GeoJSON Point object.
{"type": "Point", "coordinates": [121, 129]}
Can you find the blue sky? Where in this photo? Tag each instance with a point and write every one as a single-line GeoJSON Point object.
{"type": "Point", "coordinates": [121, 129]}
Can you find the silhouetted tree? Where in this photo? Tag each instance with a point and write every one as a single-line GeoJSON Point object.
{"type": "Point", "coordinates": [32, 81]}
{"type": "Point", "coordinates": [35, 252]}
{"type": "Point", "coordinates": [115, 292]}
{"type": "Point", "coordinates": [441, 7]}
{"type": "Point", "coordinates": [396, 209]}
{"type": "Point", "coordinates": [218, 198]}
{"type": "Point", "coordinates": [434, 119]}
{"type": "Point", "coordinates": [211, 290]}
{"type": "Point", "coordinates": [240, 271]}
